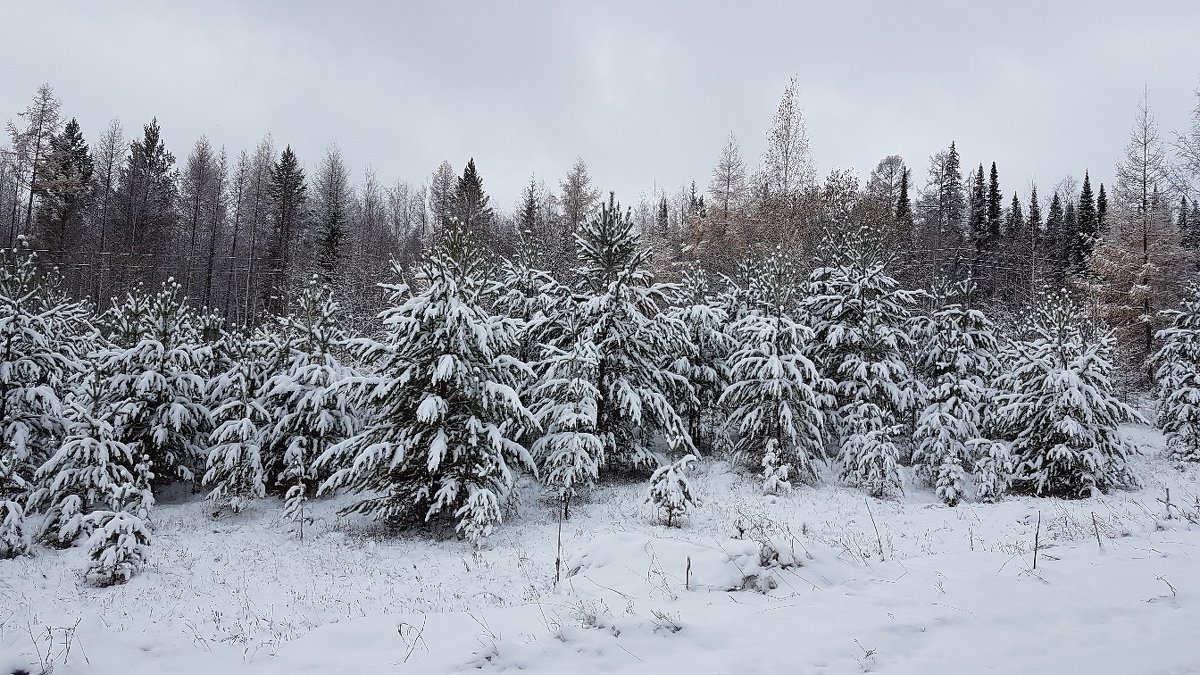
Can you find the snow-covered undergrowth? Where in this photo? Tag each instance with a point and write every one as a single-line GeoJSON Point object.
{"type": "Point", "coordinates": [820, 580]}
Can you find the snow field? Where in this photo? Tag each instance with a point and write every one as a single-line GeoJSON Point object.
{"type": "Point", "coordinates": [895, 586]}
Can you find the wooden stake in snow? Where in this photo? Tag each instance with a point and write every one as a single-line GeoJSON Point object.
{"type": "Point", "coordinates": [687, 575]}
{"type": "Point", "coordinates": [1036, 535]}
{"type": "Point", "coordinates": [1096, 529]}
{"type": "Point", "coordinates": [562, 507]}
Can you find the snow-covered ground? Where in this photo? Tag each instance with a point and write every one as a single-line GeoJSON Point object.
{"type": "Point", "coordinates": [853, 585]}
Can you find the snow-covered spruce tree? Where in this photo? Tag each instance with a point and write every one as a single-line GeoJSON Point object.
{"type": "Point", "coordinates": [775, 391]}
{"type": "Point", "coordinates": [620, 309]}
{"type": "Point", "coordinates": [670, 490]}
{"type": "Point", "coordinates": [40, 336]}
{"type": "Point", "coordinates": [1177, 375]}
{"type": "Point", "coordinates": [241, 423]}
{"type": "Point", "coordinates": [118, 547]}
{"type": "Point", "coordinates": [445, 418]}
{"type": "Point", "coordinates": [570, 451]}
{"type": "Point", "coordinates": [706, 366]}
{"type": "Point", "coordinates": [859, 315]}
{"type": "Point", "coordinates": [956, 358]}
{"type": "Point", "coordinates": [1057, 409]}
{"type": "Point", "coordinates": [157, 374]}
{"type": "Point", "coordinates": [89, 470]}
{"type": "Point", "coordinates": [310, 408]}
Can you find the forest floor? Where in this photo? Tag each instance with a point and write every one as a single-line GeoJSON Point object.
{"type": "Point", "coordinates": [846, 584]}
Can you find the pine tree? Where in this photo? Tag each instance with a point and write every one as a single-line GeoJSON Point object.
{"type": "Point", "coordinates": [235, 467]}
{"type": "Point", "coordinates": [118, 547]}
{"type": "Point", "coordinates": [310, 409]}
{"type": "Point", "coordinates": [957, 350]}
{"type": "Point", "coordinates": [1177, 378]}
{"type": "Point", "coordinates": [90, 470]}
{"type": "Point", "coordinates": [444, 417]}
{"type": "Point", "coordinates": [775, 393]}
{"type": "Point", "coordinates": [670, 490]}
{"type": "Point", "coordinates": [1056, 407]}
{"type": "Point", "coordinates": [571, 450]}
{"type": "Point", "coordinates": [41, 336]}
{"type": "Point", "coordinates": [156, 374]}
{"type": "Point", "coordinates": [859, 314]}
{"type": "Point", "coordinates": [705, 366]}
{"type": "Point", "coordinates": [618, 307]}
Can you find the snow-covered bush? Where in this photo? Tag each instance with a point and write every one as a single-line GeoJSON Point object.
{"type": "Point", "coordinates": [118, 548]}
{"type": "Point", "coordinates": [1177, 376]}
{"type": "Point", "coordinates": [1056, 407]}
{"type": "Point", "coordinates": [775, 391]}
{"type": "Point", "coordinates": [444, 413]}
{"type": "Point", "coordinates": [860, 317]}
{"type": "Point", "coordinates": [670, 491]}
{"type": "Point", "coordinates": [993, 469]}
{"type": "Point", "coordinates": [955, 350]}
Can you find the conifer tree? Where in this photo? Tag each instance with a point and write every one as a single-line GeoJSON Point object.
{"type": "Point", "coordinates": [1088, 232]}
{"type": "Point", "coordinates": [1056, 243]}
{"type": "Point", "coordinates": [146, 196]}
{"type": "Point", "coordinates": [64, 189]}
{"type": "Point", "coordinates": [775, 394]}
{"type": "Point", "coordinates": [957, 350]}
{"type": "Point", "coordinates": [1177, 377]}
{"type": "Point", "coordinates": [977, 223]}
{"type": "Point", "coordinates": [859, 315]}
{"type": "Point", "coordinates": [1189, 229]}
{"type": "Point", "coordinates": [471, 205]}
{"type": "Point", "coordinates": [41, 336]}
{"type": "Point", "coordinates": [235, 467]}
{"type": "Point", "coordinates": [995, 208]}
{"type": "Point", "coordinates": [310, 409]}
{"type": "Point", "coordinates": [705, 366]}
{"type": "Point", "coordinates": [619, 308]}
{"type": "Point", "coordinates": [157, 371]}
{"type": "Point", "coordinates": [1057, 408]}
{"type": "Point", "coordinates": [1102, 211]}
{"type": "Point", "coordinates": [670, 490]}
{"type": "Point", "coordinates": [288, 193]}
{"type": "Point", "coordinates": [90, 470]}
{"type": "Point", "coordinates": [444, 416]}
{"type": "Point", "coordinates": [571, 450]}
{"type": "Point", "coordinates": [904, 214]}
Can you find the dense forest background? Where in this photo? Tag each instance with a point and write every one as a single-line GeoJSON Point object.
{"type": "Point", "coordinates": [242, 230]}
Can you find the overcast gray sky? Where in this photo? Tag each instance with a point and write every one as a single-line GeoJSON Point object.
{"type": "Point", "coordinates": [646, 92]}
